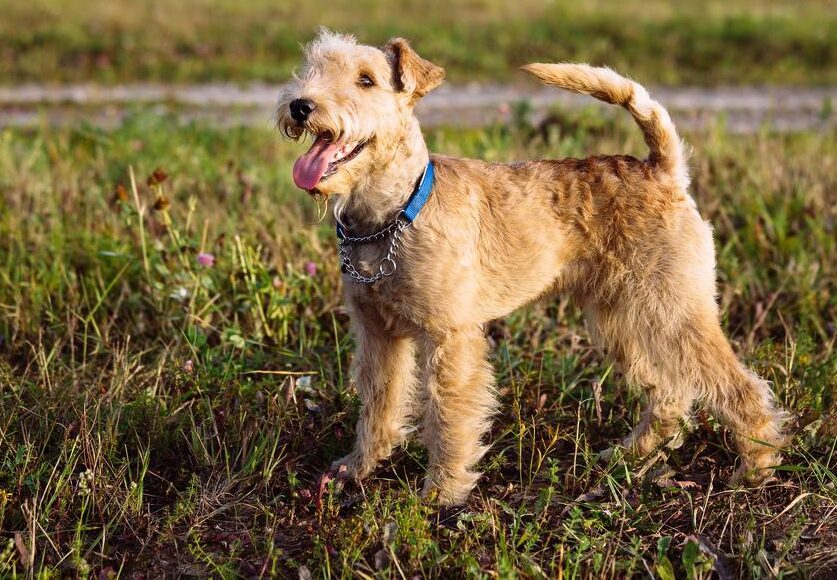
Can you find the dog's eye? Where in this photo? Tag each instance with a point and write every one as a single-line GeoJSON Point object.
{"type": "Point", "coordinates": [366, 81]}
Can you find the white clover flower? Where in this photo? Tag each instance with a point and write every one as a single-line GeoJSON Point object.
{"type": "Point", "coordinates": [85, 482]}
{"type": "Point", "coordinates": [181, 294]}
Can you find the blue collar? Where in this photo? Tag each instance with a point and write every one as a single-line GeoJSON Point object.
{"type": "Point", "coordinates": [420, 195]}
{"type": "Point", "coordinates": [414, 204]}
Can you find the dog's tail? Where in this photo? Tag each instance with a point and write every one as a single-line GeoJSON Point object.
{"type": "Point", "coordinates": [667, 151]}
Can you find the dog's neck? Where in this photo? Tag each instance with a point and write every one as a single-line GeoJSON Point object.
{"type": "Point", "coordinates": [382, 192]}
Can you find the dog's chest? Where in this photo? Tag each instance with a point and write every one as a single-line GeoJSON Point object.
{"type": "Point", "coordinates": [406, 291]}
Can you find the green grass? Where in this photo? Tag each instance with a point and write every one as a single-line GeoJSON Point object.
{"type": "Point", "coordinates": [656, 41]}
{"type": "Point", "coordinates": [163, 417]}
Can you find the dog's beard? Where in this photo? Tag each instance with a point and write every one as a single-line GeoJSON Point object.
{"type": "Point", "coordinates": [336, 141]}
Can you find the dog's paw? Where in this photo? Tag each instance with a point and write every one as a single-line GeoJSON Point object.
{"type": "Point", "coordinates": [606, 456]}
{"type": "Point", "coordinates": [351, 467]}
{"type": "Point", "coordinates": [450, 488]}
{"type": "Point", "coordinates": [748, 476]}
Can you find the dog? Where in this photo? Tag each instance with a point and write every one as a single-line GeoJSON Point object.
{"type": "Point", "coordinates": [619, 234]}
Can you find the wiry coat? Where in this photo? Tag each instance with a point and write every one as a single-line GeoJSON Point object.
{"type": "Point", "coordinates": [621, 235]}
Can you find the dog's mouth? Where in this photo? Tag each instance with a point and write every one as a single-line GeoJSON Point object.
{"type": "Point", "coordinates": [323, 160]}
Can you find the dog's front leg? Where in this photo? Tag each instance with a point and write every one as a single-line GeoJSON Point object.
{"type": "Point", "coordinates": [383, 372]}
{"type": "Point", "coordinates": [460, 399]}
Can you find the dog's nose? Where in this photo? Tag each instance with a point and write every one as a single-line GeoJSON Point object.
{"type": "Point", "coordinates": [301, 108]}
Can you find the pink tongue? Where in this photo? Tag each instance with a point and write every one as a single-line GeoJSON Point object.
{"type": "Point", "coordinates": [309, 168]}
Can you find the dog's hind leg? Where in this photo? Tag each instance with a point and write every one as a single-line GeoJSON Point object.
{"type": "Point", "coordinates": [743, 402]}
{"type": "Point", "coordinates": [460, 400]}
{"type": "Point", "coordinates": [670, 394]}
{"type": "Point", "coordinates": [664, 420]}
{"type": "Point", "coordinates": [682, 357]}
{"type": "Point", "coordinates": [383, 372]}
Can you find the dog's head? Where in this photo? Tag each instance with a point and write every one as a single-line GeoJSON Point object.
{"type": "Point", "coordinates": [356, 102]}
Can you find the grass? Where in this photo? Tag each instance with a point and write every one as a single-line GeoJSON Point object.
{"type": "Point", "coordinates": [657, 41]}
{"type": "Point", "coordinates": [158, 416]}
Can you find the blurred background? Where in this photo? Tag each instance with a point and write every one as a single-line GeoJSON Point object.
{"type": "Point", "coordinates": [174, 353]}
{"type": "Point", "coordinates": [235, 52]}
{"type": "Point", "coordinates": [692, 43]}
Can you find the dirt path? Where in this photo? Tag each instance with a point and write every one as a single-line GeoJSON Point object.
{"type": "Point", "coordinates": [744, 109]}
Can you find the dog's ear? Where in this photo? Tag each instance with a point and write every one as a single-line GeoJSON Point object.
{"type": "Point", "coordinates": [410, 73]}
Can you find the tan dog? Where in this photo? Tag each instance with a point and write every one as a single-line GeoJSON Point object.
{"type": "Point", "coordinates": [621, 235]}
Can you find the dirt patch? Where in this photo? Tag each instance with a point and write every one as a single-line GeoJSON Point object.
{"type": "Point", "coordinates": [743, 109]}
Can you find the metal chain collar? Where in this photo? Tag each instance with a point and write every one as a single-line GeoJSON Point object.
{"type": "Point", "coordinates": [387, 265]}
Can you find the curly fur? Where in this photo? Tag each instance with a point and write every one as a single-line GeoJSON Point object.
{"type": "Point", "coordinates": [621, 235]}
